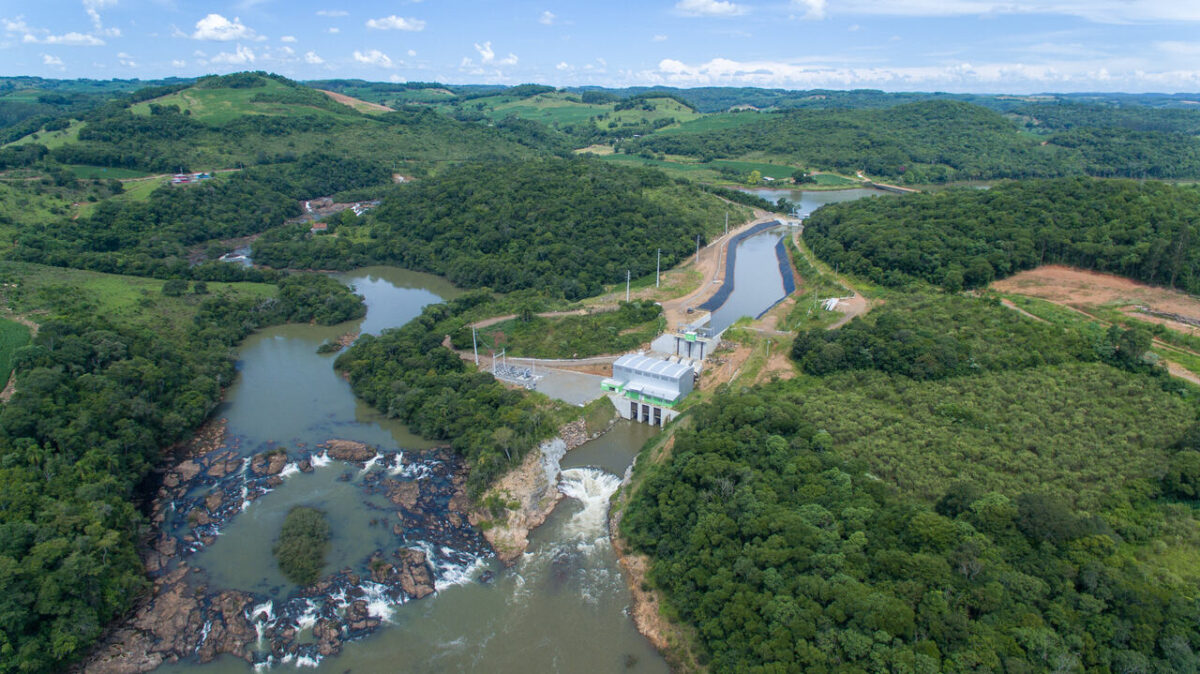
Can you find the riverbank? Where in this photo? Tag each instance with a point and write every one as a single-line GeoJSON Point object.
{"type": "Point", "coordinates": [670, 639]}
{"type": "Point", "coordinates": [524, 497]}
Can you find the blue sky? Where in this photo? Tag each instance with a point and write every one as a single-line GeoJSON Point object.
{"type": "Point", "coordinates": [1010, 46]}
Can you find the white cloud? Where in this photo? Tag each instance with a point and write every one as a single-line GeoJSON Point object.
{"type": "Point", "coordinates": [563, 65]}
{"type": "Point", "coordinates": [218, 28]}
{"type": "Point", "coordinates": [331, 12]}
{"type": "Point", "coordinates": [239, 56]}
{"type": "Point", "coordinates": [1103, 11]}
{"type": "Point", "coordinates": [412, 52]}
{"type": "Point", "coordinates": [333, 31]}
{"type": "Point", "coordinates": [179, 63]}
{"type": "Point", "coordinates": [68, 39]}
{"type": "Point", "coordinates": [93, 7]}
{"type": "Point", "coordinates": [126, 60]}
{"type": "Point", "coordinates": [962, 76]}
{"type": "Point", "coordinates": [394, 22]}
{"type": "Point", "coordinates": [487, 55]}
{"type": "Point", "coordinates": [709, 8]}
{"type": "Point", "coordinates": [288, 38]}
{"type": "Point", "coordinates": [813, 9]}
{"type": "Point", "coordinates": [312, 59]}
{"type": "Point", "coordinates": [547, 18]}
{"type": "Point", "coordinates": [16, 25]}
{"type": "Point", "coordinates": [48, 60]}
{"type": "Point", "coordinates": [659, 38]}
{"type": "Point", "coordinates": [373, 57]}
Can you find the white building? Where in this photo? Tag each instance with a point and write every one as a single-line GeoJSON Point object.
{"type": "Point", "coordinates": [650, 387]}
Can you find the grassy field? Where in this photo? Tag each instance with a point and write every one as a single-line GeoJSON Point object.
{"type": "Point", "coordinates": [53, 139]}
{"type": "Point", "coordinates": [833, 180]}
{"type": "Point", "coordinates": [664, 108]}
{"type": "Point", "coordinates": [715, 122]}
{"type": "Point", "coordinates": [13, 336]}
{"type": "Point", "coordinates": [129, 300]}
{"type": "Point", "coordinates": [549, 108]}
{"type": "Point", "coordinates": [573, 336]}
{"type": "Point", "coordinates": [222, 105]}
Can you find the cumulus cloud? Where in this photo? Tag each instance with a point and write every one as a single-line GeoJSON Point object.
{"type": "Point", "coordinates": [813, 9]}
{"type": "Point", "coordinates": [179, 63]}
{"type": "Point", "coordinates": [547, 18]}
{"type": "Point", "coordinates": [288, 38]}
{"type": "Point", "coordinates": [709, 8]}
{"type": "Point", "coordinates": [239, 56]}
{"type": "Point", "coordinates": [126, 60]}
{"type": "Point", "coordinates": [1058, 76]}
{"type": "Point", "coordinates": [48, 60]}
{"type": "Point", "coordinates": [218, 28]}
{"type": "Point", "coordinates": [312, 59]}
{"type": "Point", "coordinates": [659, 38]}
{"type": "Point", "coordinates": [68, 39]}
{"type": "Point", "coordinates": [373, 57]}
{"type": "Point", "coordinates": [331, 13]}
{"type": "Point", "coordinates": [31, 35]}
{"type": "Point", "coordinates": [563, 65]}
{"type": "Point", "coordinates": [487, 55]}
{"type": "Point", "coordinates": [93, 7]}
{"type": "Point", "coordinates": [394, 22]}
{"type": "Point", "coordinates": [333, 31]}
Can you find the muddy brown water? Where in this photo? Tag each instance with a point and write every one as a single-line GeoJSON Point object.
{"type": "Point", "coordinates": [562, 608]}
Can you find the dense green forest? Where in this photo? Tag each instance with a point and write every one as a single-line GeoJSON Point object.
{"type": "Point", "coordinates": [100, 391]}
{"type": "Point", "coordinates": [965, 237]}
{"type": "Point", "coordinates": [564, 226]}
{"type": "Point", "coordinates": [1018, 516]}
{"type": "Point", "coordinates": [933, 142]}
{"type": "Point", "coordinates": [407, 374]}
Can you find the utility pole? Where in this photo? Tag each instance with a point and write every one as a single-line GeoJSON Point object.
{"type": "Point", "coordinates": [626, 285]}
{"type": "Point", "coordinates": [727, 223]}
{"type": "Point", "coordinates": [657, 267]}
{"type": "Point", "coordinates": [697, 249]}
{"type": "Point", "coordinates": [475, 346]}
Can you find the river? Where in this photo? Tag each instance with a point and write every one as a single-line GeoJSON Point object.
{"type": "Point", "coordinates": [561, 608]}
{"type": "Point", "coordinates": [810, 200]}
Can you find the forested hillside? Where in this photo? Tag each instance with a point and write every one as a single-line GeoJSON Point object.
{"type": "Point", "coordinates": [965, 238]}
{"type": "Point", "coordinates": [113, 376]}
{"type": "Point", "coordinates": [1015, 516]}
{"type": "Point", "coordinates": [153, 237]}
{"type": "Point", "coordinates": [255, 118]}
{"type": "Point", "coordinates": [936, 141]}
{"type": "Point", "coordinates": [564, 226]}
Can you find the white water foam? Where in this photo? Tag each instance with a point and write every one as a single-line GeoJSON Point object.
{"type": "Point", "coordinates": [204, 634]}
{"type": "Point", "coordinates": [553, 451]}
{"type": "Point", "coordinates": [260, 626]}
{"type": "Point", "coordinates": [305, 661]}
{"type": "Point", "coordinates": [398, 466]}
{"type": "Point", "coordinates": [378, 605]}
{"type": "Point", "coordinates": [446, 572]}
{"type": "Point", "coordinates": [593, 488]}
{"type": "Point", "coordinates": [288, 470]}
{"type": "Point", "coordinates": [308, 619]}
{"type": "Point", "coordinates": [370, 464]}
{"type": "Point", "coordinates": [320, 460]}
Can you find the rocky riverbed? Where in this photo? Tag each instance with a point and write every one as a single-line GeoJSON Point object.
{"type": "Point", "coordinates": [185, 616]}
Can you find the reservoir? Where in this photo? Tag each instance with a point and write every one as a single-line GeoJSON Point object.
{"type": "Point", "coordinates": [561, 608]}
